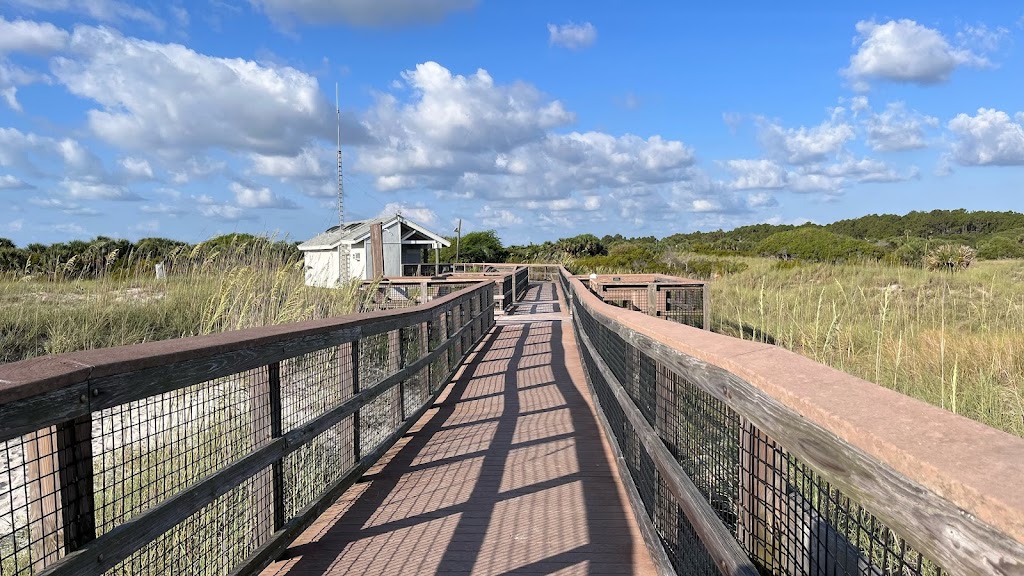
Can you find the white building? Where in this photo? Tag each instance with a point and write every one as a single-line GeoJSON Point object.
{"type": "Point", "coordinates": [401, 242]}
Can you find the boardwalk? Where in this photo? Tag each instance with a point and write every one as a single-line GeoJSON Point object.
{"type": "Point", "coordinates": [509, 474]}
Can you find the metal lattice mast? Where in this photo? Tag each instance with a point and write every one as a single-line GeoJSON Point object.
{"type": "Point", "coordinates": [343, 258]}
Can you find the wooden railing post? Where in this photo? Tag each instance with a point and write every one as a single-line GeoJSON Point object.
{"type": "Point", "coordinates": [356, 451]}
{"type": "Point", "coordinates": [60, 483]}
{"type": "Point", "coordinates": [276, 431]}
{"type": "Point", "coordinates": [261, 500]}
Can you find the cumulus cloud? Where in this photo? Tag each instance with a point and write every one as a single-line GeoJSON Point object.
{"type": "Point", "coordinates": [905, 51]}
{"type": "Point", "coordinates": [990, 137]}
{"type": "Point", "coordinates": [897, 128]}
{"type": "Point", "coordinates": [361, 12]}
{"type": "Point", "coordinates": [251, 196]}
{"type": "Point", "coordinates": [136, 168]}
{"type": "Point", "coordinates": [31, 37]}
{"type": "Point", "coordinates": [31, 152]}
{"type": "Point", "coordinates": [11, 182]}
{"type": "Point", "coordinates": [90, 190]}
{"type": "Point", "coordinates": [416, 212]}
{"type": "Point", "coordinates": [498, 218]}
{"type": "Point", "coordinates": [804, 145]}
{"type": "Point", "coordinates": [101, 10]}
{"type": "Point", "coordinates": [572, 36]}
{"type": "Point", "coordinates": [65, 206]}
{"type": "Point", "coordinates": [172, 100]}
{"type": "Point", "coordinates": [309, 163]}
{"type": "Point", "coordinates": [756, 174]}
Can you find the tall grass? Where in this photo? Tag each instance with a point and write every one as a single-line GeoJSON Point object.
{"type": "Point", "coordinates": [954, 340]}
{"type": "Point", "coordinates": [242, 287]}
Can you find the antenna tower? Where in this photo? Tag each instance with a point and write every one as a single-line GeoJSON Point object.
{"type": "Point", "coordinates": [343, 256]}
{"type": "Point", "coordinates": [341, 187]}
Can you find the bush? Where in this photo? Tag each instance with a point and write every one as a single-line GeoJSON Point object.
{"type": "Point", "coordinates": [1003, 246]}
{"type": "Point", "coordinates": [950, 257]}
{"type": "Point", "coordinates": [818, 245]}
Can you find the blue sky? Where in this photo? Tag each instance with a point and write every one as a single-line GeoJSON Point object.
{"type": "Point", "coordinates": [536, 119]}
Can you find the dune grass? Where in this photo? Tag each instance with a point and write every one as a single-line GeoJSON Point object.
{"type": "Point", "coordinates": [240, 289]}
{"type": "Point", "coordinates": [953, 340]}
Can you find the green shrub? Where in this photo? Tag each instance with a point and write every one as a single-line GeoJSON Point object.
{"type": "Point", "coordinates": [950, 257]}
{"type": "Point", "coordinates": [818, 245]}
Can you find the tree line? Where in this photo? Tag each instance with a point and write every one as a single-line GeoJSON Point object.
{"type": "Point", "coordinates": [105, 256]}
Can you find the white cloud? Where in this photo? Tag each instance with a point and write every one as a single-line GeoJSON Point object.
{"type": "Point", "coordinates": [705, 205]}
{"type": "Point", "coordinates": [136, 168]}
{"type": "Point", "coordinates": [897, 128]}
{"type": "Point", "coordinates": [70, 229]}
{"type": "Point", "coordinates": [196, 167]}
{"type": "Point", "coordinates": [69, 208]}
{"type": "Point", "coordinates": [309, 163]}
{"type": "Point", "coordinates": [756, 174]}
{"type": "Point", "coordinates": [467, 137]}
{"type": "Point", "coordinates": [497, 217]}
{"type": "Point", "coordinates": [30, 152]}
{"type": "Point", "coordinates": [990, 137]}
{"type": "Point", "coordinates": [170, 99]}
{"type": "Point", "coordinates": [101, 10]}
{"type": "Point", "coordinates": [804, 145]}
{"type": "Point", "coordinates": [362, 12]}
{"type": "Point", "coordinates": [250, 196]}
{"type": "Point", "coordinates": [572, 36]}
{"type": "Point", "coordinates": [162, 208]}
{"type": "Point", "coordinates": [31, 37]}
{"type": "Point", "coordinates": [90, 190]}
{"type": "Point", "coordinates": [761, 200]}
{"type": "Point", "coordinates": [13, 226]}
{"type": "Point", "coordinates": [905, 51]}
{"type": "Point", "coordinates": [415, 212]}
{"type": "Point", "coordinates": [11, 182]}
{"type": "Point", "coordinates": [226, 212]}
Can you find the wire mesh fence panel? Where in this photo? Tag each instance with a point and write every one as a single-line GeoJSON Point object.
{"type": "Point", "coordinates": [308, 471]}
{"type": "Point", "coordinates": [784, 515]}
{"type": "Point", "coordinates": [130, 465]}
{"type": "Point", "coordinates": [314, 383]}
{"type": "Point", "coordinates": [146, 451]}
{"type": "Point", "coordinates": [683, 305]}
{"type": "Point", "coordinates": [378, 419]}
{"type": "Point", "coordinates": [210, 541]}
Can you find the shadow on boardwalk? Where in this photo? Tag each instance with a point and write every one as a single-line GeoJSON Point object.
{"type": "Point", "coordinates": [510, 475]}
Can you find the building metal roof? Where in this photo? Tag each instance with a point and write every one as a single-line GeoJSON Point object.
{"type": "Point", "coordinates": [359, 230]}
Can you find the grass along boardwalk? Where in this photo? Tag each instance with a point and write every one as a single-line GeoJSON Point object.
{"type": "Point", "coordinates": [508, 473]}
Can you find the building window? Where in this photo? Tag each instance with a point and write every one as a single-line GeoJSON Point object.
{"type": "Point", "coordinates": [355, 256]}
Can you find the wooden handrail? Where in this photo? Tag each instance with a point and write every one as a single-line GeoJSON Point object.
{"type": "Point", "coordinates": [948, 485]}
{"type": "Point", "coordinates": [59, 395]}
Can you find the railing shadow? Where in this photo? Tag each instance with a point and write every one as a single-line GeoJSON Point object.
{"type": "Point", "coordinates": [508, 476]}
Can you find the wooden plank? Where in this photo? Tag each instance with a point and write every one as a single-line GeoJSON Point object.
{"type": "Point", "coordinates": [48, 409]}
{"type": "Point", "coordinates": [377, 251]}
{"type": "Point", "coordinates": [123, 388]}
{"type": "Point", "coordinates": [74, 458]}
{"type": "Point", "coordinates": [46, 518]}
{"type": "Point", "coordinates": [932, 525]}
{"type": "Point", "coordinates": [716, 537]}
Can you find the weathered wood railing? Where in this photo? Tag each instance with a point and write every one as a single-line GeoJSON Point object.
{"type": "Point", "coordinates": [744, 458]}
{"type": "Point", "coordinates": [210, 454]}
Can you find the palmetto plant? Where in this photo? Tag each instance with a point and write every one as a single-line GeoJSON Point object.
{"type": "Point", "coordinates": [949, 257]}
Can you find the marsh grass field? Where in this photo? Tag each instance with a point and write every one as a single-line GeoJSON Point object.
{"type": "Point", "coordinates": [955, 340]}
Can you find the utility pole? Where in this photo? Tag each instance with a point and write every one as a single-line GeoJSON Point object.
{"type": "Point", "coordinates": [458, 241]}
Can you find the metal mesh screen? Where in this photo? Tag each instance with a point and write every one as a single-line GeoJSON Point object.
{"type": "Point", "coordinates": [68, 484]}
{"type": "Point", "coordinates": [149, 450]}
{"type": "Point", "coordinates": [211, 540]}
{"type": "Point", "coordinates": [786, 517]}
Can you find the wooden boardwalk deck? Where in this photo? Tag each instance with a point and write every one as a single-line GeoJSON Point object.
{"type": "Point", "coordinates": [508, 474]}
